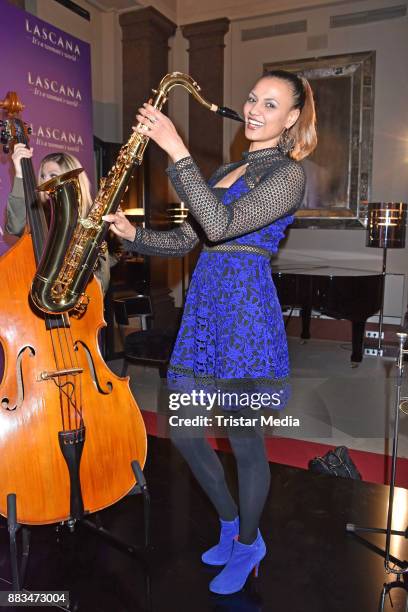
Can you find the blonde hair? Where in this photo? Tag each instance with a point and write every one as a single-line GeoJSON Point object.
{"type": "Point", "coordinates": [67, 162]}
{"type": "Point", "coordinates": [303, 131]}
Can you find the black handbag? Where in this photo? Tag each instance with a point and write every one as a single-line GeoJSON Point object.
{"type": "Point", "coordinates": [335, 463]}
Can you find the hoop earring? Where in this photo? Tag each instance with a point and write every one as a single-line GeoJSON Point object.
{"type": "Point", "coordinates": [286, 143]}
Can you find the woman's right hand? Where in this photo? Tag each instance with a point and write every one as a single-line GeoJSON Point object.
{"type": "Point", "coordinates": [20, 152]}
{"type": "Point", "coordinates": [121, 226]}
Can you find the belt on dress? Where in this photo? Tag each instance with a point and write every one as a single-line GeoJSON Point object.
{"type": "Point", "coordinates": [238, 248]}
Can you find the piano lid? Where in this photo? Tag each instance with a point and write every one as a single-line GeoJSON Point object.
{"type": "Point", "coordinates": [321, 268]}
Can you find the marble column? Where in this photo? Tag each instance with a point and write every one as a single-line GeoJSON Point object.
{"type": "Point", "coordinates": [206, 66]}
{"type": "Point", "coordinates": [145, 46]}
{"type": "Point", "coordinates": [145, 61]}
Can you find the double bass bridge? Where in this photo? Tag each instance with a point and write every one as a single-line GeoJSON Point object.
{"type": "Point", "coordinates": [59, 373]}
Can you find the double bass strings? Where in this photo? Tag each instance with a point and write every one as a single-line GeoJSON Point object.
{"type": "Point", "coordinates": [71, 413]}
{"type": "Point", "coordinates": [70, 342]}
{"type": "Point", "coordinates": [68, 387]}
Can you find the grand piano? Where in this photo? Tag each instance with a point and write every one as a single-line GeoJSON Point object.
{"type": "Point", "coordinates": [335, 291]}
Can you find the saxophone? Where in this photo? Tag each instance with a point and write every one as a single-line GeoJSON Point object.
{"type": "Point", "coordinates": [74, 243]}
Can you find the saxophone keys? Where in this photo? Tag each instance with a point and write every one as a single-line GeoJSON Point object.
{"type": "Point", "coordinates": [87, 223]}
{"type": "Point", "coordinates": [81, 307]}
{"type": "Point", "coordinates": [103, 249]}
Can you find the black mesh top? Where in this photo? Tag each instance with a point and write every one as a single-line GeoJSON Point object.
{"type": "Point", "coordinates": [276, 184]}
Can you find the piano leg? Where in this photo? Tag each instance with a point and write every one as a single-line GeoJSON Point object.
{"type": "Point", "coordinates": [306, 314]}
{"type": "Point", "coordinates": [357, 340]}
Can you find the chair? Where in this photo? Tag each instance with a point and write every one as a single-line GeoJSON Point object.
{"type": "Point", "coordinates": [148, 346]}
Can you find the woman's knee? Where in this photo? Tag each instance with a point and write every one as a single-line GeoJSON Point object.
{"type": "Point", "coordinates": [248, 449]}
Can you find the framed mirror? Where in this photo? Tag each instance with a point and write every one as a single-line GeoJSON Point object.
{"type": "Point", "coordinates": [339, 170]}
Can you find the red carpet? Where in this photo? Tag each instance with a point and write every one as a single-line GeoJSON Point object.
{"type": "Point", "coordinates": [373, 467]}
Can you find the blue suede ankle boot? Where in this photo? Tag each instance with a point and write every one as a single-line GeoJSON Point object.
{"type": "Point", "coordinates": [244, 559]}
{"type": "Point", "coordinates": [221, 552]}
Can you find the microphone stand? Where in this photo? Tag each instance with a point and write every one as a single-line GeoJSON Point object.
{"type": "Point", "coordinates": [392, 565]}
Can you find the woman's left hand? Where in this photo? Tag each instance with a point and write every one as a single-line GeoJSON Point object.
{"type": "Point", "coordinates": [160, 128]}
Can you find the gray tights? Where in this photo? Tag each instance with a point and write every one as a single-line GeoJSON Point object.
{"type": "Point", "coordinates": [253, 475]}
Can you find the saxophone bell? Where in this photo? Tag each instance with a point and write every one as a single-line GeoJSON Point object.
{"type": "Point", "coordinates": [65, 199]}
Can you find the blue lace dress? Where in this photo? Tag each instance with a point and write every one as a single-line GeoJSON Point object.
{"type": "Point", "coordinates": [232, 330]}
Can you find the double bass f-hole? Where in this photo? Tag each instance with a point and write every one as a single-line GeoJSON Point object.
{"type": "Point", "coordinates": [5, 401]}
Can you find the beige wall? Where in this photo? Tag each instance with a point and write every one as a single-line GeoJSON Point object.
{"type": "Point", "coordinates": [243, 63]}
{"type": "Point", "coordinates": [167, 7]}
{"type": "Point", "coordinates": [190, 11]}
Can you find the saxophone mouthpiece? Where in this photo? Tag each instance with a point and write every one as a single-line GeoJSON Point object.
{"type": "Point", "coordinates": [224, 111]}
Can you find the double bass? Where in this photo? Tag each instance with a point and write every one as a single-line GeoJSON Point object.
{"type": "Point", "coordinates": [69, 427]}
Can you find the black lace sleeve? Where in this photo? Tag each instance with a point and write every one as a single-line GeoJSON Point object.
{"type": "Point", "coordinates": [173, 243]}
{"type": "Point", "coordinates": [277, 194]}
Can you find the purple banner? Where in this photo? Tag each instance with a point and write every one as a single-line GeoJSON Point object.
{"type": "Point", "coordinates": [51, 73]}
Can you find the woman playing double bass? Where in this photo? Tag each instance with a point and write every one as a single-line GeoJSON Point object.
{"type": "Point", "coordinates": [53, 165]}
